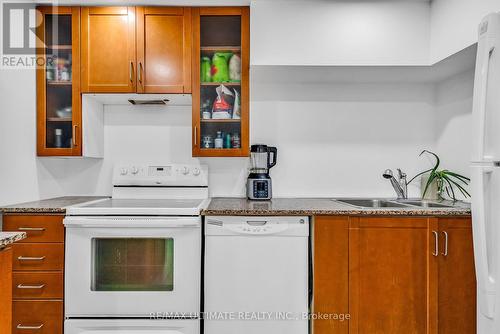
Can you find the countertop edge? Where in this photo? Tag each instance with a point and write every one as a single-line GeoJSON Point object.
{"type": "Point", "coordinates": [56, 205]}
{"type": "Point", "coordinates": [8, 238]}
{"type": "Point", "coordinates": [367, 212]}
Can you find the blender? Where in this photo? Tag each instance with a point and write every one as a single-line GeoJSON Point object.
{"type": "Point", "coordinates": [262, 158]}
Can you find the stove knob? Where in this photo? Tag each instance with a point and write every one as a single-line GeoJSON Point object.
{"type": "Point", "coordinates": [134, 170]}
{"type": "Point", "coordinates": [185, 170]}
{"type": "Point", "coordinates": [196, 171]}
{"type": "Point", "coordinates": [123, 171]}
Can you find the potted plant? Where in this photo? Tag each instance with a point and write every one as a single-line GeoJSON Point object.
{"type": "Point", "coordinates": [437, 182]}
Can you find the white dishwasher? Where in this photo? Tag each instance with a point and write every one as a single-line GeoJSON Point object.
{"type": "Point", "coordinates": [256, 275]}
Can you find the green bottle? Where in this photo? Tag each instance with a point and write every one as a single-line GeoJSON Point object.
{"type": "Point", "coordinates": [220, 67]}
{"type": "Point", "coordinates": [205, 75]}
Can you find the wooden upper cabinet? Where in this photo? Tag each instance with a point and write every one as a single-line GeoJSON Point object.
{"type": "Point", "coordinates": [108, 50]}
{"type": "Point", "coordinates": [163, 50]}
{"type": "Point", "coordinates": [221, 58]}
{"type": "Point", "coordinates": [59, 115]}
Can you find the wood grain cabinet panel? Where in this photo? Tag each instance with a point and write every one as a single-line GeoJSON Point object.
{"type": "Point", "coordinates": [389, 274]}
{"type": "Point", "coordinates": [163, 50]}
{"type": "Point", "coordinates": [38, 256]}
{"type": "Point", "coordinates": [37, 228]}
{"type": "Point", "coordinates": [456, 278]}
{"type": "Point", "coordinates": [331, 280]}
{"type": "Point", "coordinates": [5, 290]}
{"type": "Point", "coordinates": [108, 50]}
{"type": "Point", "coordinates": [41, 317]}
{"type": "Point", "coordinates": [37, 285]}
{"type": "Point", "coordinates": [399, 274]}
{"type": "Point", "coordinates": [215, 30]}
{"type": "Point", "coordinates": [58, 99]}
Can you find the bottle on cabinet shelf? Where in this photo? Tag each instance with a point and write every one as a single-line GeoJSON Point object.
{"type": "Point", "coordinates": [219, 141]}
{"type": "Point", "coordinates": [58, 138]}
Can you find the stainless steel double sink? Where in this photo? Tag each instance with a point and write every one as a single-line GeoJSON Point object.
{"type": "Point", "coordinates": [387, 203]}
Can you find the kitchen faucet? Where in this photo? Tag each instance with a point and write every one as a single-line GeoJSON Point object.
{"type": "Point", "coordinates": [400, 186]}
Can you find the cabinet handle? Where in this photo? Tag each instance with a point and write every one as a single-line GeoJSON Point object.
{"type": "Point", "coordinates": [131, 69]}
{"type": "Point", "coordinates": [195, 136]}
{"type": "Point", "coordinates": [39, 229]}
{"type": "Point", "coordinates": [139, 73]}
{"type": "Point", "coordinates": [445, 253]}
{"type": "Point", "coordinates": [436, 243]}
{"type": "Point", "coordinates": [31, 258]}
{"type": "Point", "coordinates": [22, 286]}
{"type": "Point", "coordinates": [74, 135]}
{"type": "Point", "coordinates": [21, 326]}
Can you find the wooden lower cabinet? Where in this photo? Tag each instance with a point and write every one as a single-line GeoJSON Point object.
{"type": "Point", "coordinates": [394, 275]}
{"type": "Point", "coordinates": [5, 291]}
{"type": "Point", "coordinates": [37, 285]}
{"type": "Point", "coordinates": [456, 277]}
{"type": "Point", "coordinates": [331, 279]}
{"type": "Point", "coordinates": [33, 284]}
{"type": "Point", "coordinates": [37, 316]}
{"type": "Point", "coordinates": [389, 271]}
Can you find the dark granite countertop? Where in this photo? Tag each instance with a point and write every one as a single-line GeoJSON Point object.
{"type": "Point", "coordinates": [53, 205]}
{"type": "Point", "coordinates": [7, 238]}
{"type": "Point", "coordinates": [227, 206]}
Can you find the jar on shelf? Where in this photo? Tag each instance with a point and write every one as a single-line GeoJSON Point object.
{"type": "Point", "coordinates": [235, 141]}
{"type": "Point", "coordinates": [219, 141]}
{"type": "Point", "coordinates": [207, 142]}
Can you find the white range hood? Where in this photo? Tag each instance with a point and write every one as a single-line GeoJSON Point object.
{"type": "Point", "coordinates": [142, 99]}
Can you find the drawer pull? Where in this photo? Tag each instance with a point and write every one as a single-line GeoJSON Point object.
{"type": "Point", "coordinates": [31, 258]}
{"type": "Point", "coordinates": [39, 229]}
{"type": "Point", "coordinates": [22, 286]}
{"type": "Point", "coordinates": [436, 244]}
{"type": "Point", "coordinates": [21, 326]}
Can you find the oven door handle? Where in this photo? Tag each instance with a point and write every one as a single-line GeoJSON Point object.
{"type": "Point", "coordinates": [137, 225]}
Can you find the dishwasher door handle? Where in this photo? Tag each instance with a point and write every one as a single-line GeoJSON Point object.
{"type": "Point", "coordinates": [256, 222]}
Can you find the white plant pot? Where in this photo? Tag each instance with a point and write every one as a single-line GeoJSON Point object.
{"type": "Point", "coordinates": [433, 190]}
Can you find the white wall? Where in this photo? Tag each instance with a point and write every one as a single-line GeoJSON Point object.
{"type": "Point", "coordinates": [454, 23]}
{"type": "Point", "coordinates": [332, 140]}
{"type": "Point", "coordinates": [359, 32]}
{"type": "Point", "coordinates": [453, 121]}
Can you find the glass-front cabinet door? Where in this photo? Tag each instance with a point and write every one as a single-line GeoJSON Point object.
{"type": "Point", "coordinates": [58, 80]}
{"type": "Point", "coordinates": [220, 81]}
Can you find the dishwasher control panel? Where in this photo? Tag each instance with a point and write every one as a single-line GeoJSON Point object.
{"type": "Point", "coordinates": [257, 226]}
{"type": "Point", "coordinates": [254, 227]}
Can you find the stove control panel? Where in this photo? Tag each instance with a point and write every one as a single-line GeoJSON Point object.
{"type": "Point", "coordinates": [160, 175]}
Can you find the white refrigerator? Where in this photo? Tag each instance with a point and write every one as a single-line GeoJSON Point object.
{"type": "Point", "coordinates": [485, 175]}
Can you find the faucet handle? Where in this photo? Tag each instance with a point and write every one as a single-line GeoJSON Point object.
{"type": "Point", "coordinates": [401, 174]}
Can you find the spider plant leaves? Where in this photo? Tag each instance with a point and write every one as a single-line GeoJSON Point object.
{"type": "Point", "coordinates": [450, 188]}
{"type": "Point", "coordinates": [447, 180]}
{"type": "Point", "coordinates": [438, 161]}
{"type": "Point", "coordinates": [462, 189]}
{"type": "Point", "coordinates": [419, 174]}
{"type": "Point", "coordinates": [432, 177]}
{"type": "Point", "coordinates": [462, 178]}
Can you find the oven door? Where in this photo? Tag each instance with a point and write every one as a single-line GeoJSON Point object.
{"type": "Point", "coordinates": [132, 267]}
{"type": "Point", "coordinates": [131, 326]}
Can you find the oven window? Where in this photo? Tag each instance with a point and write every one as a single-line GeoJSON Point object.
{"type": "Point", "coordinates": [132, 264]}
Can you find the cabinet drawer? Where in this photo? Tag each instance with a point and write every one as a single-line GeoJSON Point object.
{"type": "Point", "coordinates": [38, 256]}
{"type": "Point", "coordinates": [41, 317]}
{"type": "Point", "coordinates": [37, 285]}
{"type": "Point", "coordinates": [37, 228]}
